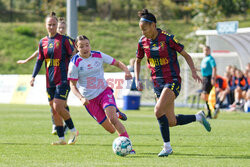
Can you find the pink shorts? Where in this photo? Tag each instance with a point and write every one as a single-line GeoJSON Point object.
{"type": "Point", "coordinates": [97, 105]}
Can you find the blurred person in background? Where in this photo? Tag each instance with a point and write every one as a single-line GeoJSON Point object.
{"type": "Point", "coordinates": [208, 72]}
{"type": "Point", "coordinates": [240, 85]}
{"type": "Point", "coordinates": [221, 90]}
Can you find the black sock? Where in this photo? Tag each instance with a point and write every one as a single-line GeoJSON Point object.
{"type": "Point", "coordinates": [60, 132]}
{"type": "Point", "coordinates": [67, 108]}
{"type": "Point", "coordinates": [185, 119]}
{"type": "Point", "coordinates": [69, 123]}
{"type": "Point", "coordinates": [208, 109]}
{"type": "Point", "coordinates": [164, 128]}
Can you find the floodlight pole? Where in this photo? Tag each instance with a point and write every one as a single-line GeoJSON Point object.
{"type": "Point", "coordinates": [72, 18]}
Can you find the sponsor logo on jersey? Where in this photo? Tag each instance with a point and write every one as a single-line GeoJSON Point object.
{"type": "Point", "coordinates": [52, 62]}
{"type": "Point", "coordinates": [157, 61]}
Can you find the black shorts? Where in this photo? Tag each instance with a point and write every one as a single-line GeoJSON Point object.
{"type": "Point", "coordinates": [59, 92]}
{"type": "Point", "coordinates": [174, 86]}
{"type": "Point", "coordinates": [206, 84]}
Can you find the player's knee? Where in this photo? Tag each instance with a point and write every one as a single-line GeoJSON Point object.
{"type": "Point", "coordinates": [111, 130]}
{"type": "Point", "coordinates": [172, 122]}
{"type": "Point", "coordinates": [157, 111]}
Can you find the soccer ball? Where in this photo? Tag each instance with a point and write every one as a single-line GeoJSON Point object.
{"type": "Point", "coordinates": [122, 146]}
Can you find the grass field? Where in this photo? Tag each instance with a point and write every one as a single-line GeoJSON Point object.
{"type": "Point", "coordinates": [25, 140]}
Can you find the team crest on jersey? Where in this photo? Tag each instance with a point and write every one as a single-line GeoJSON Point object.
{"type": "Point", "coordinates": [155, 47]}
{"type": "Point", "coordinates": [89, 66]}
{"type": "Point", "coordinates": [97, 64]}
{"type": "Point", "coordinates": [50, 45]}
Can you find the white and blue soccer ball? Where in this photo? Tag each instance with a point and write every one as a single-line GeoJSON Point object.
{"type": "Point", "coordinates": [122, 146]}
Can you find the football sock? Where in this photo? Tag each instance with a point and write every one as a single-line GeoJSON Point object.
{"type": "Point", "coordinates": [185, 119]}
{"type": "Point", "coordinates": [62, 138]}
{"type": "Point", "coordinates": [208, 109]}
{"type": "Point", "coordinates": [67, 108]}
{"type": "Point", "coordinates": [164, 128]}
{"type": "Point", "coordinates": [167, 146]}
{"type": "Point", "coordinates": [125, 134]}
{"type": "Point", "coordinates": [198, 117]}
{"type": "Point", "coordinates": [60, 132]}
{"type": "Point", "coordinates": [70, 124]}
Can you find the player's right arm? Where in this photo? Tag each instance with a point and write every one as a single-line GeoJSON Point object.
{"type": "Point", "coordinates": [35, 54]}
{"type": "Point", "coordinates": [137, 74]}
{"type": "Point", "coordinates": [76, 92]}
{"type": "Point", "coordinates": [73, 78]}
{"type": "Point", "coordinates": [38, 64]}
{"type": "Point", "coordinates": [137, 66]}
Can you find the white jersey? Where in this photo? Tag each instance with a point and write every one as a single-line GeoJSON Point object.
{"type": "Point", "coordinates": [89, 73]}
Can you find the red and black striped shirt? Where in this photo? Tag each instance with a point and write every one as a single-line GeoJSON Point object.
{"type": "Point", "coordinates": [56, 53]}
{"type": "Point", "coordinates": [161, 56]}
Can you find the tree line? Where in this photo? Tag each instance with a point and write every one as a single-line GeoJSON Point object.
{"type": "Point", "coordinates": [35, 10]}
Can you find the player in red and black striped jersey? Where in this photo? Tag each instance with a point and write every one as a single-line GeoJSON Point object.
{"type": "Point", "coordinates": [56, 50]}
{"type": "Point", "coordinates": [61, 29]}
{"type": "Point", "coordinates": [161, 49]}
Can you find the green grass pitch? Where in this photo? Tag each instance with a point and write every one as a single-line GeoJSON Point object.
{"type": "Point", "coordinates": [26, 136]}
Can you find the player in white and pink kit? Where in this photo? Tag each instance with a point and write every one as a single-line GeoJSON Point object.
{"type": "Point", "coordinates": [86, 70]}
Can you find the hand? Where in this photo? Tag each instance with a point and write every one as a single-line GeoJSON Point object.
{"type": "Point", "coordinates": [84, 101]}
{"type": "Point", "coordinates": [196, 77]}
{"type": "Point", "coordinates": [128, 76]}
{"type": "Point", "coordinates": [32, 81]}
{"type": "Point", "coordinates": [213, 81]}
{"type": "Point", "coordinates": [139, 85]}
{"type": "Point", "coordinates": [21, 62]}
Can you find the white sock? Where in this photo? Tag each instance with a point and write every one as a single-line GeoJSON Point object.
{"type": "Point", "coordinates": [61, 138]}
{"type": "Point", "coordinates": [73, 130]}
{"type": "Point", "coordinates": [167, 146]}
{"type": "Point", "coordinates": [198, 117]}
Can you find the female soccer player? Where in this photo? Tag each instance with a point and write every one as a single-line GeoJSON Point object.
{"type": "Point", "coordinates": [160, 49]}
{"type": "Point", "coordinates": [86, 69]}
{"type": "Point", "coordinates": [61, 29]}
{"type": "Point", "coordinates": [56, 50]}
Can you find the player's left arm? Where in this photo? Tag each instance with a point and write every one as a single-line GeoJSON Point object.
{"type": "Point", "coordinates": [124, 68]}
{"type": "Point", "coordinates": [190, 62]}
{"type": "Point", "coordinates": [69, 47]}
